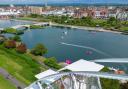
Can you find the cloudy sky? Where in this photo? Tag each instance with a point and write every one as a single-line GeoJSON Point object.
{"type": "Point", "coordinates": [60, 1]}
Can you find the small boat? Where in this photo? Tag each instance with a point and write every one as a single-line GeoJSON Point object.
{"type": "Point", "coordinates": [65, 32]}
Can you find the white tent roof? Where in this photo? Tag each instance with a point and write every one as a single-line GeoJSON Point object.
{"type": "Point", "coordinates": [83, 65]}
{"type": "Point", "coordinates": [45, 73]}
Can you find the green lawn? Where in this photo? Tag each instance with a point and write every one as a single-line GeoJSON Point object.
{"type": "Point", "coordinates": [5, 84]}
{"type": "Point", "coordinates": [27, 18]}
{"type": "Point", "coordinates": [124, 28]}
{"type": "Point", "coordinates": [99, 20]}
{"type": "Point", "coordinates": [21, 66]}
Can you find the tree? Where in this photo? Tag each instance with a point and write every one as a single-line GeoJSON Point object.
{"type": "Point", "coordinates": [16, 38]}
{"type": "Point", "coordinates": [21, 48]}
{"type": "Point", "coordinates": [88, 20]}
{"type": "Point", "coordinates": [52, 63]}
{"type": "Point", "coordinates": [34, 15]}
{"type": "Point", "coordinates": [10, 44]}
{"type": "Point", "coordinates": [39, 50]}
{"type": "Point", "coordinates": [112, 21]}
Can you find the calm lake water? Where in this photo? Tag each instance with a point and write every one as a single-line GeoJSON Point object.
{"type": "Point", "coordinates": [75, 44]}
{"type": "Point", "coordinates": [9, 23]}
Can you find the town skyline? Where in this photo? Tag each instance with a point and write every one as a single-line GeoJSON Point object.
{"type": "Point", "coordinates": [63, 1]}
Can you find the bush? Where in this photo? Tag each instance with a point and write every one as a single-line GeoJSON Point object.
{"type": "Point", "coordinates": [19, 32]}
{"type": "Point", "coordinates": [2, 39]}
{"type": "Point", "coordinates": [21, 48]}
{"type": "Point", "coordinates": [105, 69]}
{"type": "Point", "coordinates": [16, 38]}
{"type": "Point", "coordinates": [39, 50]}
{"type": "Point", "coordinates": [52, 63]}
{"type": "Point", "coordinates": [10, 44]}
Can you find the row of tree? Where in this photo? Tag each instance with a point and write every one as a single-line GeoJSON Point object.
{"type": "Point", "coordinates": [15, 42]}
{"type": "Point", "coordinates": [110, 23]}
{"type": "Point", "coordinates": [21, 48]}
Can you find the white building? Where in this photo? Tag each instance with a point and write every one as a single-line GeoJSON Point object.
{"type": "Point", "coordinates": [83, 65]}
{"type": "Point", "coordinates": [69, 81]}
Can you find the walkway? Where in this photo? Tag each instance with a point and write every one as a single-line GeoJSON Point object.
{"type": "Point", "coordinates": [111, 60]}
{"type": "Point", "coordinates": [10, 78]}
{"type": "Point", "coordinates": [28, 25]}
{"type": "Point", "coordinates": [20, 26]}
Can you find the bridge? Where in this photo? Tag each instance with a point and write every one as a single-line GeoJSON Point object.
{"type": "Point", "coordinates": [20, 26]}
{"type": "Point", "coordinates": [76, 80]}
{"type": "Point", "coordinates": [28, 26]}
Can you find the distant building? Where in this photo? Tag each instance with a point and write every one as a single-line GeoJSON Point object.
{"type": "Point", "coordinates": [36, 10]}
{"type": "Point", "coordinates": [122, 16]}
{"type": "Point", "coordinates": [7, 12]}
{"type": "Point", "coordinates": [79, 13]}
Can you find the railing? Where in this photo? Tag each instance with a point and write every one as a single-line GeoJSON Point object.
{"type": "Point", "coordinates": [77, 78]}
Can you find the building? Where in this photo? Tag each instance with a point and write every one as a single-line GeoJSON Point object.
{"type": "Point", "coordinates": [79, 13]}
{"type": "Point", "coordinates": [72, 81]}
{"type": "Point", "coordinates": [36, 10]}
{"type": "Point", "coordinates": [83, 65]}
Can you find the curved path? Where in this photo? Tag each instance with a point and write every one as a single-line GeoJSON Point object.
{"type": "Point", "coordinates": [10, 78]}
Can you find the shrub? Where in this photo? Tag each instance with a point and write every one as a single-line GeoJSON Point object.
{"type": "Point", "coordinates": [39, 50]}
{"type": "Point", "coordinates": [21, 48]}
{"type": "Point", "coordinates": [19, 32]}
{"type": "Point", "coordinates": [10, 44]}
{"type": "Point", "coordinates": [16, 38]}
{"type": "Point", "coordinates": [105, 69]}
{"type": "Point", "coordinates": [52, 62]}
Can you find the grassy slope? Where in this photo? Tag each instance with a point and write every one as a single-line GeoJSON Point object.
{"type": "Point", "coordinates": [5, 84]}
{"type": "Point", "coordinates": [19, 65]}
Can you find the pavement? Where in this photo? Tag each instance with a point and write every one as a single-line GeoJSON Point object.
{"type": "Point", "coordinates": [12, 79]}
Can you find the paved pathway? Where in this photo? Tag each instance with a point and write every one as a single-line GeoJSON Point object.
{"type": "Point", "coordinates": [13, 80]}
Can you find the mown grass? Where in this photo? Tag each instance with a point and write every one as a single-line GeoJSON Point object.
{"type": "Point", "coordinates": [5, 84]}
{"type": "Point", "coordinates": [124, 28]}
{"type": "Point", "coordinates": [21, 66]}
{"type": "Point", "coordinates": [27, 18]}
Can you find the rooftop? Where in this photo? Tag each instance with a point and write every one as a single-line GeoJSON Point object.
{"type": "Point", "coordinates": [83, 65]}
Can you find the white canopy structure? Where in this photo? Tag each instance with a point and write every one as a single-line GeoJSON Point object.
{"type": "Point", "coordinates": [83, 65]}
{"type": "Point", "coordinates": [45, 73]}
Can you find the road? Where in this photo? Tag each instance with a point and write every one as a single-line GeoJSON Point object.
{"type": "Point", "coordinates": [10, 78]}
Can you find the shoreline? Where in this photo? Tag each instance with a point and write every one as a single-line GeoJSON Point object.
{"type": "Point", "coordinates": [98, 29]}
